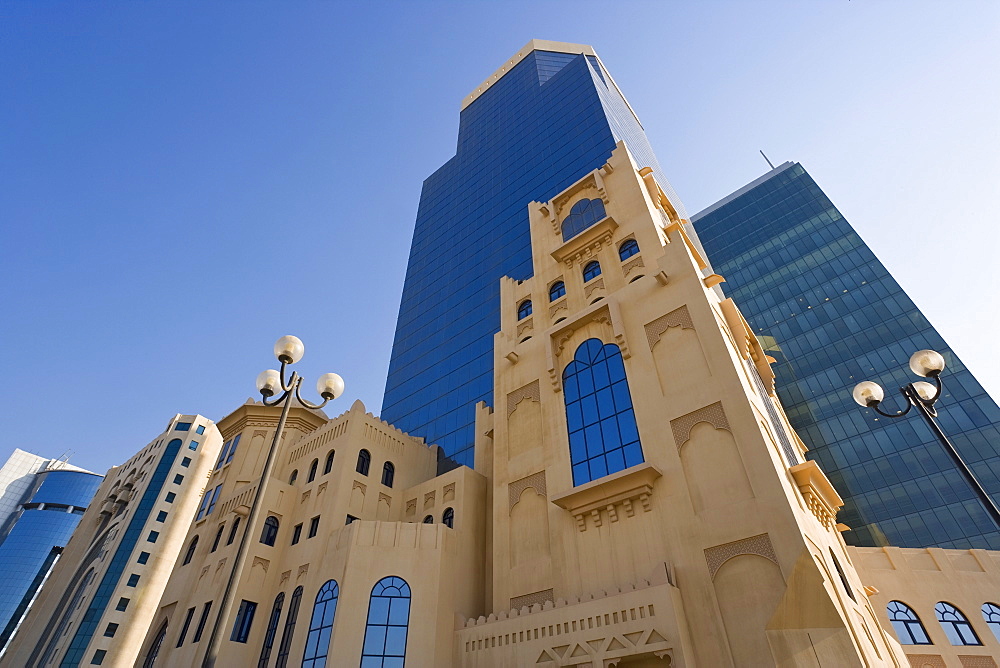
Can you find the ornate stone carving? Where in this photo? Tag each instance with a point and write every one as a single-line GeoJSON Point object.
{"type": "Point", "coordinates": [679, 317]}
{"type": "Point", "coordinates": [259, 432]}
{"type": "Point", "coordinates": [535, 481]}
{"type": "Point", "coordinates": [524, 326]}
{"type": "Point", "coordinates": [529, 391]}
{"type": "Point", "coordinates": [555, 308]}
{"type": "Point", "coordinates": [359, 485]}
{"type": "Point", "coordinates": [632, 264]}
{"type": "Point", "coordinates": [385, 497]}
{"type": "Point", "coordinates": [539, 597]}
{"type": "Point", "coordinates": [428, 499]}
{"type": "Point", "coordinates": [712, 414]}
{"type": "Point", "coordinates": [303, 569]}
{"type": "Point", "coordinates": [720, 554]}
{"type": "Point", "coordinates": [284, 577]}
{"type": "Point", "coordinates": [449, 490]}
{"type": "Point", "coordinates": [260, 561]}
{"type": "Point", "coordinates": [593, 286]}
{"type": "Point", "coordinates": [411, 507]}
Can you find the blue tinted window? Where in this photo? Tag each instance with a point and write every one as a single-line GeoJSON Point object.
{"type": "Point", "coordinates": [186, 462]}
{"type": "Point", "coordinates": [313, 468]}
{"type": "Point", "coordinates": [185, 626]}
{"type": "Point", "coordinates": [955, 625]}
{"type": "Point", "coordinates": [321, 626]}
{"type": "Point", "coordinates": [591, 271]}
{"type": "Point", "coordinates": [603, 437]}
{"type": "Point", "coordinates": [232, 448]}
{"type": "Point", "coordinates": [122, 604]}
{"type": "Point", "coordinates": [144, 556]}
{"type": "Point", "coordinates": [153, 535]}
{"type": "Point", "coordinates": [272, 630]}
{"type": "Point", "coordinates": [182, 426]}
{"type": "Point", "coordinates": [178, 479]}
{"type": "Point", "coordinates": [448, 518]}
{"type": "Point", "coordinates": [133, 580]}
{"type": "Point", "coordinates": [192, 546]}
{"type": "Point", "coordinates": [388, 622]}
{"type": "Point", "coordinates": [161, 516]}
{"type": "Point", "coordinates": [200, 429]}
{"type": "Point", "coordinates": [628, 249]}
{"type": "Point", "coordinates": [244, 619]}
{"type": "Point", "coordinates": [110, 630]}
{"type": "Point", "coordinates": [270, 531]}
{"type": "Point", "coordinates": [328, 465]}
{"type": "Point", "coordinates": [169, 498]}
{"type": "Point", "coordinates": [98, 657]}
{"type": "Point", "coordinates": [557, 290]}
{"type": "Point", "coordinates": [388, 474]}
{"type": "Point", "coordinates": [289, 630]}
{"type": "Point", "coordinates": [364, 461]}
{"type": "Point", "coordinates": [233, 530]}
{"type": "Point", "coordinates": [584, 213]}
{"type": "Point", "coordinates": [524, 309]}
{"type": "Point", "coordinates": [193, 445]}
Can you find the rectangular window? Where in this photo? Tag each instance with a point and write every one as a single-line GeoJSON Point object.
{"type": "Point", "coordinates": [110, 631]}
{"type": "Point", "coordinates": [98, 657]}
{"type": "Point", "coordinates": [153, 535]}
{"type": "Point", "coordinates": [208, 502]}
{"type": "Point", "coordinates": [232, 448]}
{"type": "Point", "coordinates": [133, 580]}
{"type": "Point", "coordinates": [296, 533]}
{"type": "Point", "coordinates": [313, 526]}
{"type": "Point", "coordinates": [215, 497]}
{"type": "Point", "coordinates": [201, 621]}
{"type": "Point", "coordinates": [186, 462]}
{"type": "Point", "coordinates": [200, 429]}
{"type": "Point", "coordinates": [170, 497]}
{"type": "Point", "coordinates": [178, 479]}
{"type": "Point", "coordinates": [244, 618]}
{"type": "Point", "coordinates": [122, 604]}
{"type": "Point", "coordinates": [182, 426]}
{"type": "Point", "coordinates": [161, 516]}
{"type": "Point", "coordinates": [350, 519]}
{"type": "Point", "coordinates": [143, 557]}
{"type": "Point", "coordinates": [185, 626]}
{"type": "Point", "coordinates": [222, 454]}
{"type": "Point", "coordinates": [193, 445]}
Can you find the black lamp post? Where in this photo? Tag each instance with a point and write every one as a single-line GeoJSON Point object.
{"type": "Point", "coordinates": [288, 350]}
{"type": "Point", "coordinates": [923, 395]}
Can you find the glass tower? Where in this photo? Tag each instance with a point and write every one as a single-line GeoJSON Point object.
{"type": "Point", "coordinates": [832, 316]}
{"type": "Point", "coordinates": [547, 118]}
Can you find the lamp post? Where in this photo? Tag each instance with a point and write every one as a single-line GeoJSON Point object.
{"type": "Point", "coordinates": [288, 350]}
{"type": "Point", "coordinates": [923, 395]}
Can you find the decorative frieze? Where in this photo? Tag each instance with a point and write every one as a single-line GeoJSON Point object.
{"type": "Point", "coordinates": [679, 317]}
{"type": "Point", "coordinates": [535, 481]}
{"type": "Point", "coordinates": [529, 391]}
{"type": "Point", "coordinates": [712, 414]}
{"type": "Point", "coordinates": [720, 554]}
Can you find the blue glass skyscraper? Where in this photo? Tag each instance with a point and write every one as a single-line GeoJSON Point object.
{"type": "Point", "coordinates": [832, 316]}
{"type": "Point", "coordinates": [544, 120]}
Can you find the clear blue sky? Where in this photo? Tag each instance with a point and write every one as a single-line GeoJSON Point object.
{"type": "Point", "coordinates": [182, 183]}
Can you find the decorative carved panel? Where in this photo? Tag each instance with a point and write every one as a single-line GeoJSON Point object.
{"type": "Point", "coordinates": [449, 490]}
{"type": "Point", "coordinates": [529, 391]}
{"type": "Point", "coordinates": [720, 554]}
{"type": "Point", "coordinates": [632, 264]}
{"type": "Point", "coordinates": [679, 317]}
{"type": "Point", "coordinates": [712, 414]}
{"type": "Point", "coordinates": [591, 287]}
{"type": "Point", "coordinates": [540, 597]}
{"type": "Point", "coordinates": [536, 481]}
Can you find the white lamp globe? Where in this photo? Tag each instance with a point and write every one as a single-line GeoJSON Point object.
{"type": "Point", "coordinates": [926, 391]}
{"type": "Point", "coordinates": [268, 382]}
{"type": "Point", "coordinates": [927, 363]}
{"type": "Point", "coordinates": [330, 386]}
{"type": "Point", "coordinates": [868, 394]}
{"type": "Point", "coordinates": [289, 349]}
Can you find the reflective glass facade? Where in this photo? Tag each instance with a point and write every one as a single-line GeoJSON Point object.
{"type": "Point", "coordinates": [47, 520]}
{"type": "Point", "coordinates": [829, 312]}
{"type": "Point", "coordinates": [546, 123]}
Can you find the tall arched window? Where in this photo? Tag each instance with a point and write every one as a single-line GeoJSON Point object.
{"type": "Point", "coordinates": [906, 624]}
{"type": "Point", "coordinates": [388, 619]}
{"type": "Point", "coordinates": [328, 465]}
{"type": "Point", "coordinates": [154, 648]}
{"type": "Point", "coordinates": [448, 518]}
{"type": "Point", "coordinates": [388, 473]}
{"type": "Point", "coordinates": [628, 249]}
{"type": "Point", "coordinates": [429, 519]}
{"type": "Point", "coordinates": [272, 630]}
{"type": "Point", "coordinates": [524, 309]}
{"type": "Point", "coordinates": [584, 213]}
{"type": "Point", "coordinates": [189, 555]}
{"type": "Point", "coordinates": [218, 537]}
{"type": "Point", "coordinates": [289, 630]}
{"type": "Point", "coordinates": [603, 437]}
{"type": "Point", "coordinates": [591, 271]}
{"type": "Point", "coordinates": [557, 290]}
{"type": "Point", "coordinates": [232, 532]}
{"type": "Point", "coordinates": [364, 461]}
{"type": "Point", "coordinates": [955, 625]}
{"type": "Point", "coordinates": [292, 478]}
{"type": "Point", "coordinates": [312, 470]}
{"type": "Point", "coordinates": [270, 532]}
{"type": "Point", "coordinates": [991, 613]}
{"type": "Point", "coordinates": [321, 626]}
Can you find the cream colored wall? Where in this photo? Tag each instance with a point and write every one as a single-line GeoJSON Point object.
{"type": "Point", "coordinates": [921, 578]}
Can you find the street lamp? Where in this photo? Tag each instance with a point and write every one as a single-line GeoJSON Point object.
{"type": "Point", "coordinates": [923, 395]}
{"type": "Point", "coordinates": [288, 350]}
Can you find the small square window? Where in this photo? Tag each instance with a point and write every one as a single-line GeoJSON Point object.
{"type": "Point", "coordinates": [182, 426]}
{"type": "Point", "coordinates": [153, 535]}
{"type": "Point", "coordinates": [296, 533]}
{"type": "Point", "coordinates": [200, 429]}
{"type": "Point", "coordinates": [186, 462]}
{"type": "Point", "coordinates": [133, 580]}
{"type": "Point", "coordinates": [111, 630]}
{"type": "Point", "coordinates": [122, 604]}
{"type": "Point", "coordinates": [193, 445]}
{"type": "Point", "coordinates": [143, 557]}
{"type": "Point", "coordinates": [161, 516]}
{"type": "Point", "coordinates": [313, 526]}
{"type": "Point", "coordinates": [98, 657]}
{"type": "Point", "coordinates": [178, 479]}
{"type": "Point", "coordinates": [170, 497]}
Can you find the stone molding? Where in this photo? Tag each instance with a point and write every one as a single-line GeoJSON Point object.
{"type": "Point", "coordinates": [720, 554]}
{"type": "Point", "coordinates": [592, 287]}
{"type": "Point", "coordinates": [712, 414]}
{"type": "Point", "coordinates": [632, 264]}
{"type": "Point", "coordinates": [604, 496]}
{"type": "Point", "coordinates": [606, 311]}
{"type": "Point", "coordinates": [820, 496]}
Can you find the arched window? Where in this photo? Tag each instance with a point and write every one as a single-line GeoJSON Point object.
{"type": "Point", "coordinates": [154, 648]}
{"type": "Point", "coordinates": [388, 619]}
{"type": "Point", "coordinates": [270, 532]}
{"type": "Point", "coordinates": [321, 626]}
{"type": "Point", "coordinates": [524, 309]}
{"type": "Point", "coordinates": [364, 461]}
{"type": "Point", "coordinates": [557, 290]}
{"type": "Point", "coordinates": [328, 465]}
{"type": "Point", "coordinates": [603, 437]}
{"type": "Point", "coordinates": [991, 613]}
{"type": "Point", "coordinates": [584, 213]}
{"type": "Point", "coordinates": [429, 519]}
{"type": "Point", "coordinates": [388, 473]}
{"type": "Point", "coordinates": [272, 630]}
{"type": "Point", "coordinates": [312, 470]}
{"type": "Point", "coordinates": [189, 555]}
{"type": "Point", "coordinates": [289, 630]}
{"type": "Point", "coordinates": [448, 518]}
{"type": "Point", "coordinates": [591, 271]}
{"type": "Point", "coordinates": [292, 478]}
{"type": "Point", "coordinates": [218, 537]}
{"type": "Point", "coordinates": [232, 531]}
{"type": "Point", "coordinates": [955, 625]}
{"type": "Point", "coordinates": [628, 249]}
{"type": "Point", "coordinates": [906, 624]}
